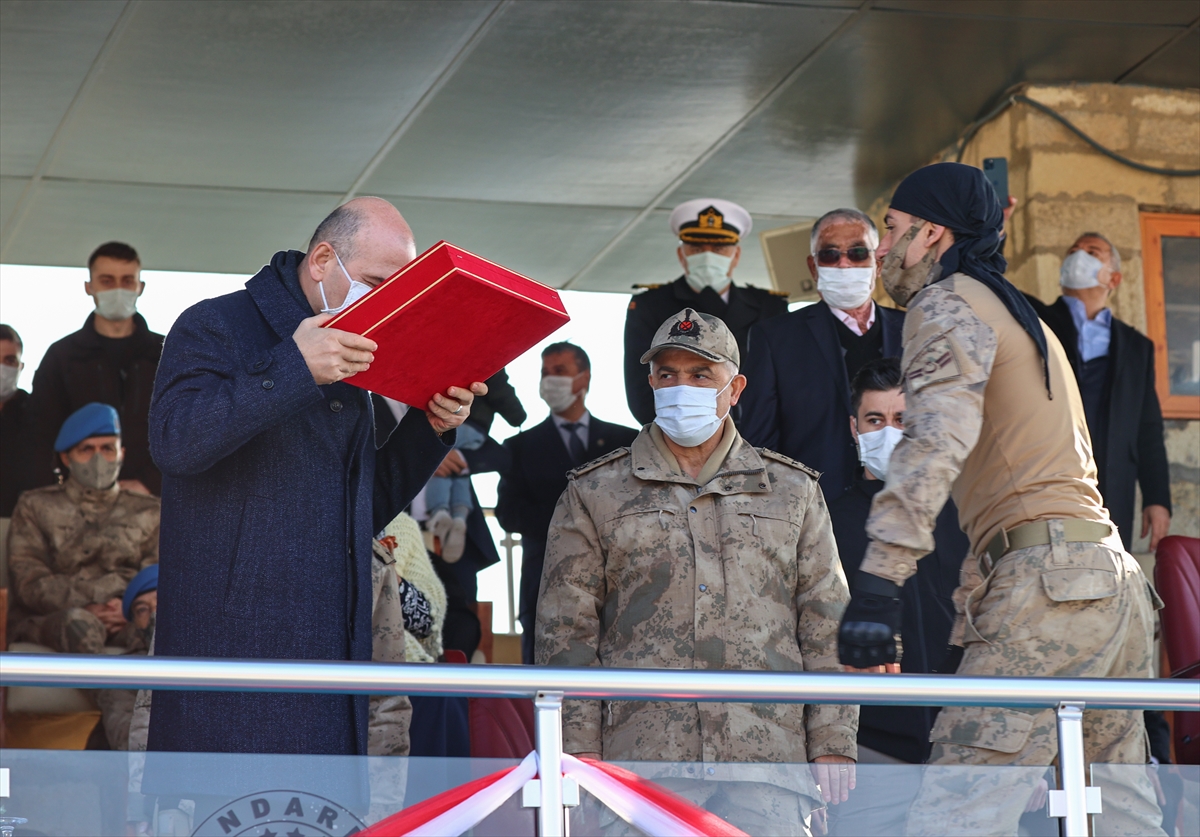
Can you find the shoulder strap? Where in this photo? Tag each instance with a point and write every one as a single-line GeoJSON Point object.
{"type": "Point", "coordinates": [596, 463]}
{"type": "Point", "coordinates": [787, 460]}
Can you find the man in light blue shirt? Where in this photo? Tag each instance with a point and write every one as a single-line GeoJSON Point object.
{"type": "Point", "coordinates": [1114, 365]}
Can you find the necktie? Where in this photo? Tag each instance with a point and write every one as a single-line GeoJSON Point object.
{"type": "Point", "coordinates": [575, 447]}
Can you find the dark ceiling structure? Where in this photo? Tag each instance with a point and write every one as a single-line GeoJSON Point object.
{"type": "Point", "coordinates": [553, 136]}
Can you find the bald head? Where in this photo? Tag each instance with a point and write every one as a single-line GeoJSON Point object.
{"type": "Point", "coordinates": [370, 237]}
{"type": "Point", "coordinates": [342, 227]}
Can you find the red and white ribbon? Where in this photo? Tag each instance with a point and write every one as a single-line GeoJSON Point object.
{"type": "Point", "coordinates": [458, 809]}
{"type": "Point", "coordinates": [652, 809]}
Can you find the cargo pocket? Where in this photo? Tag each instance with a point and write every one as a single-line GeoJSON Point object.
{"type": "Point", "coordinates": [986, 728]}
{"type": "Point", "coordinates": [1077, 584]}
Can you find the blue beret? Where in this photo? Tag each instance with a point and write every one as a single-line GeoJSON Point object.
{"type": "Point", "coordinates": [143, 582]}
{"type": "Point", "coordinates": [93, 419]}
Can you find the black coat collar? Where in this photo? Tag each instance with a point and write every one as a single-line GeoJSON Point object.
{"type": "Point", "coordinates": [88, 338]}
{"type": "Point", "coordinates": [737, 296]}
{"type": "Point", "coordinates": [276, 291]}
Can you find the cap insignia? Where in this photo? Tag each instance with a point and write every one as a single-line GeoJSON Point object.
{"type": "Point", "coordinates": [711, 219]}
{"type": "Point", "coordinates": [685, 328]}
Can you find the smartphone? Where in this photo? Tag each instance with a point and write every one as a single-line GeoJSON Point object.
{"type": "Point", "coordinates": [995, 169]}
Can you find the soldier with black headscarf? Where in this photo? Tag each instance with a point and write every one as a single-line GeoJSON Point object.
{"type": "Point", "coordinates": [994, 417]}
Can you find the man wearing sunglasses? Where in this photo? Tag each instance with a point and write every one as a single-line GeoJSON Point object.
{"type": "Point", "coordinates": [800, 366]}
{"type": "Point", "coordinates": [709, 232]}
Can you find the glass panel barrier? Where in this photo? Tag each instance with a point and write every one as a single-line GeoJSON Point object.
{"type": "Point", "coordinates": [775, 799]}
{"type": "Point", "coordinates": [70, 792]}
{"type": "Point", "coordinates": [1173, 788]}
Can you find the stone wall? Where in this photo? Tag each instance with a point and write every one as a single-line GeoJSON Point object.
{"type": "Point", "coordinates": [1065, 187]}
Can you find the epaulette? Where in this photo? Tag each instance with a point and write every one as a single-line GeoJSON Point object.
{"type": "Point", "coordinates": [787, 460]}
{"type": "Point", "coordinates": [596, 463]}
{"type": "Point", "coordinates": [647, 287]}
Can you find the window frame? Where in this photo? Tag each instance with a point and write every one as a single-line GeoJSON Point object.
{"type": "Point", "coordinates": [1155, 225]}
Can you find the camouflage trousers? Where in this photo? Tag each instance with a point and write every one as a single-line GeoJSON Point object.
{"type": "Point", "coordinates": [1059, 610]}
{"type": "Point", "coordinates": [756, 808]}
{"type": "Point", "coordinates": [72, 631]}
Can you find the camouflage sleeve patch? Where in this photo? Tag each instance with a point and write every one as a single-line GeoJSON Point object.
{"type": "Point", "coordinates": [936, 361]}
{"type": "Point", "coordinates": [946, 374]}
{"type": "Point", "coordinates": [596, 463]}
{"type": "Point", "coordinates": [787, 460]}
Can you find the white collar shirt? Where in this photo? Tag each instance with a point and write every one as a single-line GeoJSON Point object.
{"type": "Point", "coordinates": [582, 431]}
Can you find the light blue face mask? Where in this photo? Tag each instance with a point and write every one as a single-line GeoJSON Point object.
{"type": "Point", "coordinates": [875, 449]}
{"type": "Point", "coordinates": [688, 415]}
{"type": "Point", "coordinates": [1080, 270]}
{"type": "Point", "coordinates": [707, 269]}
{"type": "Point", "coordinates": [356, 292]}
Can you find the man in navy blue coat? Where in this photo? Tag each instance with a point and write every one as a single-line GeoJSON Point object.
{"type": "Point", "coordinates": [799, 365]}
{"type": "Point", "coordinates": [273, 484]}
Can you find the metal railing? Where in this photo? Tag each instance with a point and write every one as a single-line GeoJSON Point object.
{"type": "Point", "coordinates": [549, 686]}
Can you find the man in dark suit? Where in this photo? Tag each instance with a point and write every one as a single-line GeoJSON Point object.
{"type": "Point", "coordinates": [894, 734]}
{"type": "Point", "coordinates": [800, 365]}
{"type": "Point", "coordinates": [709, 231]}
{"type": "Point", "coordinates": [1114, 365]}
{"type": "Point", "coordinates": [541, 456]}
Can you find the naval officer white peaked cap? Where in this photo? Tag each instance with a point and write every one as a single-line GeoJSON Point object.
{"type": "Point", "coordinates": [710, 221]}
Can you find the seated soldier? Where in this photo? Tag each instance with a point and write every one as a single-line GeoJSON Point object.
{"type": "Point", "coordinates": [74, 547]}
{"type": "Point", "coordinates": [138, 606]}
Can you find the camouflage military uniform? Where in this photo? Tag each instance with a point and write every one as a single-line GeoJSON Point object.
{"type": "Point", "coordinates": [71, 546]}
{"type": "Point", "coordinates": [977, 416]}
{"type": "Point", "coordinates": [647, 567]}
{"type": "Point", "coordinates": [387, 733]}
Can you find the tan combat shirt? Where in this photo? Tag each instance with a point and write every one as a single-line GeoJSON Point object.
{"type": "Point", "coordinates": [977, 420]}
{"type": "Point", "coordinates": [648, 568]}
{"type": "Point", "coordinates": [71, 546]}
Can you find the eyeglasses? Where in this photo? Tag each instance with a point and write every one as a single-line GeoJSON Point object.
{"type": "Point", "coordinates": [831, 255]}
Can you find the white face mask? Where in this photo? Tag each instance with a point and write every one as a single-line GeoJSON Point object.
{"type": "Point", "coordinates": [118, 304]}
{"type": "Point", "coordinates": [555, 390]}
{"type": "Point", "coordinates": [875, 449]}
{"type": "Point", "coordinates": [8, 381]}
{"type": "Point", "coordinates": [356, 292]}
{"type": "Point", "coordinates": [708, 270]}
{"type": "Point", "coordinates": [845, 288]}
{"type": "Point", "coordinates": [688, 415]}
{"type": "Point", "coordinates": [1080, 270]}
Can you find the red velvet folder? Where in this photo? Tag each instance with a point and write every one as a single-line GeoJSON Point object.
{"type": "Point", "coordinates": [448, 318]}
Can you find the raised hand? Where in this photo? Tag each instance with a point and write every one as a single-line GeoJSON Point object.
{"type": "Point", "coordinates": [332, 355]}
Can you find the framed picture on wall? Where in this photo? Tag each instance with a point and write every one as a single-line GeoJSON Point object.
{"type": "Point", "coordinates": [1171, 262]}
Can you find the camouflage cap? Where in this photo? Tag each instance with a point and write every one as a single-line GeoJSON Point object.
{"type": "Point", "coordinates": [701, 334]}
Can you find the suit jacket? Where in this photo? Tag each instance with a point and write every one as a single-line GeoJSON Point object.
{"type": "Point", "coordinates": [927, 616]}
{"type": "Point", "coordinates": [272, 490]}
{"type": "Point", "coordinates": [1135, 450]}
{"type": "Point", "coordinates": [16, 451]}
{"type": "Point", "coordinates": [78, 370]}
{"type": "Point", "coordinates": [797, 398]}
{"type": "Point", "coordinates": [530, 487]}
{"type": "Point", "coordinates": [650, 309]}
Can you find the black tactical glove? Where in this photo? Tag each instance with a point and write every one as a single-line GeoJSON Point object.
{"type": "Point", "coordinates": [871, 624]}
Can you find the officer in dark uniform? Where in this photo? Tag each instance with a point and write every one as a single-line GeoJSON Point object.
{"type": "Point", "coordinates": [710, 232]}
